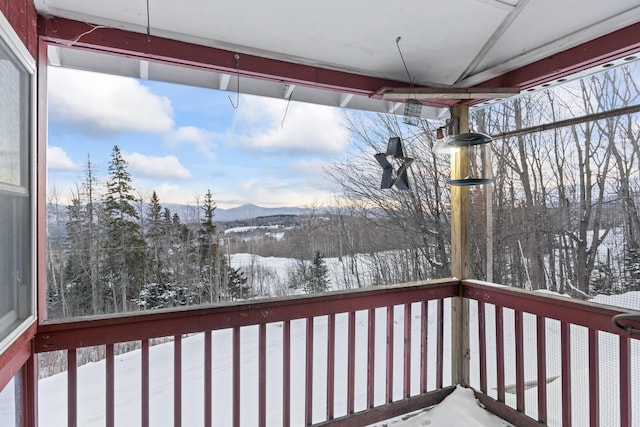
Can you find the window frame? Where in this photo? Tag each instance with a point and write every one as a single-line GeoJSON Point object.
{"type": "Point", "coordinates": [20, 53]}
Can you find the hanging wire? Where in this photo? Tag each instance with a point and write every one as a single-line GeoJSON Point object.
{"type": "Point", "coordinates": [148, 23]}
{"type": "Point", "coordinates": [236, 58]}
{"type": "Point", "coordinates": [286, 109]}
{"type": "Point", "coordinates": [403, 61]}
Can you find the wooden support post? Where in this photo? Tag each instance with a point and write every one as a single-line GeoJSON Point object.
{"type": "Point", "coordinates": [460, 209]}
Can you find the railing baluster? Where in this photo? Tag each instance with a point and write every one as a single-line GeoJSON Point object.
{"type": "Point", "coordinates": [72, 387]}
{"type": "Point", "coordinates": [286, 373]}
{"type": "Point", "coordinates": [407, 350]}
{"type": "Point", "coordinates": [424, 331]}
{"type": "Point", "coordinates": [500, 352]}
{"type": "Point", "coordinates": [389, 379]}
{"type": "Point", "coordinates": [331, 356]}
{"type": "Point", "coordinates": [565, 351]}
{"type": "Point", "coordinates": [541, 345]}
{"type": "Point", "coordinates": [482, 341]}
{"type": "Point", "coordinates": [110, 385]}
{"type": "Point", "coordinates": [262, 374]}
{"type": "Point", "coordinates": [625, 382]}
{"type": "Point", "coordinates": [235, 356]}
{"type": "Point", "coordinates": [594, 379]}
{"type": "Point", "coordinates": [519, 361]}
{"type": "Point", "coordinates": [439, 344]}
{"type": "Point", "coordinates": [371, 356]}
{"type": "Point", "coordinates": [308, 404]}
{"type": "Point", "coordinates": [145, 382]}
{"type": "Point", "coordinates": [177, 380]}
{"type": "Point", "coordinates": [351, 365]}
{"type": "Point", "coordinates": [207, 379]}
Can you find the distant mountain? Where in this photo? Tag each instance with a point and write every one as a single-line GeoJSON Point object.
{"type": "Point", "coordinates": [242, 212]}
{"type": "Point", "coordinates": [249, 211]}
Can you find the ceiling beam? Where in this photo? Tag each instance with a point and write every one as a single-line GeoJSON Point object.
{"type": "Point", "coordinates": [616, 45]}
{"type": "Point", "coordinates": [80, 35]}
{"type": "Point", "coordinates": [427, 93]}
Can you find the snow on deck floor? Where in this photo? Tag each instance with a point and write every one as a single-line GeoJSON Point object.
{"type": "Point", "coordinates": [460, 408]}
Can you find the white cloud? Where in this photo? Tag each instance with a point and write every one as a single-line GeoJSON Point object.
{"type": "Point", "coordinates": [156, 167]}
{"type": "Point", "coordinates": [306, 127]}
{"type": "Point", "coordinates": [102, 103]}
{"type": "Point", "coordinates": [200, 138]}
{"type": "Point", "coordinates": [58, 159]}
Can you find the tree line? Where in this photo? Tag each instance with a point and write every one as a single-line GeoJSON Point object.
{"type": "Point", "coordinates": [111, 252]}
{"type": "Point", "coordinates": [563, 206]}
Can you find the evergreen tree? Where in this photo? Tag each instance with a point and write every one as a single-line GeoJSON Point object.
{"type": "Point", "coordinates": [124, 249]}
{"type": "Point", "coordinates": [209, 266]}
{"type": "Point", "coordinates": [156, 239]}
{"type": "Point", "coordinates": [318, 280]}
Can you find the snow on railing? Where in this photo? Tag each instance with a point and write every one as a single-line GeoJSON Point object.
{"type": "Point", "coordinates": [353, 357]}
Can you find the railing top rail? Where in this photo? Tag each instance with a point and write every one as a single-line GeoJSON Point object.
{"type": "Point", "coordinates": [89, 331]}
{"type": "Point", "coordinates": [583, 313]}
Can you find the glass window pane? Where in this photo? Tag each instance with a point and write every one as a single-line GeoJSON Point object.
{"type": "Point", "coordinates": [14, 119]}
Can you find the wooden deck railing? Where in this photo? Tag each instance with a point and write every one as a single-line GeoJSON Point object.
{"type": "Point", "coordinates": [535, 359]}
{"type": "Point", "coordinates": [399, 305]}
{"type": "Point", "coordinates": [539, 327]}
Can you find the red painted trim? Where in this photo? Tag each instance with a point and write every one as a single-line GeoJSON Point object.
{"type": "Point", "coordinates": [331, 356]}
{"type": "Point", "coordinates": [145, 383]}
{"type": "Point", "coordinates": [389, 376]}
{"type": "Point", "coordinates": [207, 379]}
{"type": "Point", "coordinates": [110, 385]}
{"type": "Point", "coordinates": [22, 16]}
{"type": "Point", "coordinates": [626, 404]}
{"type": "Point", "coordinates": [126, 43]}
{"type": "Point", "coordinates": [565, 354]}
{"type": "Point", "coordinates": [59, 335]}
{"type": "Point", "coordinates": [72, 387]}
{"type": "Point", "coordinates": [541, 346]}
{"type": "Point", "coordinates": [286, 373]}
{"type": "Point", "coordinates": [351, 362]}
{"type": "Point", "coordinates": [308, 401]}
{"type": "Point", "coordinates": [262, 374]}
{"type": "Point", "coordinates": [589, 315]}
{"type": "Point", "coordinates": [616, 45]}
{"type": "Point", "coordinates": [519, 362]}
{"type": "Point", "coordinates": [482, 343]}
{"type": "Point", "coordinates": [30, 392]}
{"type": "Point", "coordinates": [15, 356]}
{"type": "Point", "coordinates": [177, 380]}
{"type": "Point", "coordinates": [505, 412]}
{"type": "Point", "coordinates": [41, 183]}
{"type": "Point", "coordinates": [407, 350]}
{"type": "Point", "coordinates": [371, 356]}
{"type": "Point", "coordinates": [594, 379]}
{"type": "Point", "coordinates": [439, 344]}
{"type": "Point", "coordinates": [500, 353]}
{"type": "Point", "coordinates": [424, 339]}
{"type": "Point", "coordinates": [236, 376]}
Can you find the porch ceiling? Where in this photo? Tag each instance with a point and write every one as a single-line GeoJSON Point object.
{"type": "Point", "coordinates": [446, 44]}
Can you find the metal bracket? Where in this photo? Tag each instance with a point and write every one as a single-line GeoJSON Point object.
{"type": "Point", "coordinates": [616, 321]}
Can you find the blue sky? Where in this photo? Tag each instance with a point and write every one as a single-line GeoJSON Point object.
{"type": "Point", "coordinates": [181, 141]}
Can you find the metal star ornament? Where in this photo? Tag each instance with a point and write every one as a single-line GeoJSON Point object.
{"type": "Point", "coordinates": [391, 176]}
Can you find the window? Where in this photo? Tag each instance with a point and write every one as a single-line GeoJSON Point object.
{"type": "Point", "coordinates": [17, 260]}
